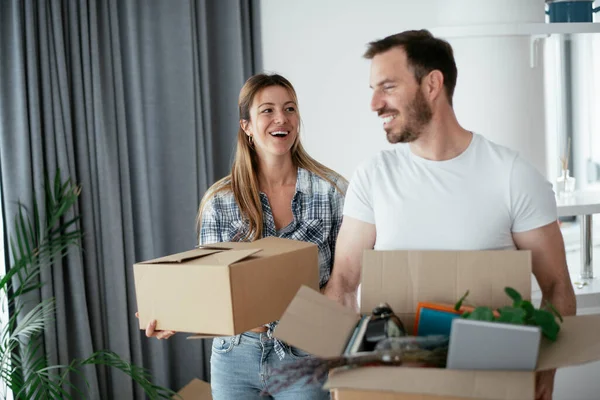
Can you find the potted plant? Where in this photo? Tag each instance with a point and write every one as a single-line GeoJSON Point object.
{"type": "Point", "coordinates": [37, 243]}
{"type": "Point", "coordinates": [522, 312]}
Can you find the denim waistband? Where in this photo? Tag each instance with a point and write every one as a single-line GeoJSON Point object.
{"type": "Point", "coordinates": [254, 335]}
{"type": "Point", "coordinates": [264, 337]}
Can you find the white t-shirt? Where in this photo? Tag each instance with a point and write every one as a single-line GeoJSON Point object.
{"type": "Point", "coordinates": [471, 202]}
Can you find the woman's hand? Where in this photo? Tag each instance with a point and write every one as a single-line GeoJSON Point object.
{"type": "Point", "coordinates": [152, 332]}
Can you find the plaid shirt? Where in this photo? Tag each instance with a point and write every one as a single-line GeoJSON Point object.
{"type": "Point", "coordinates": [317, 209]}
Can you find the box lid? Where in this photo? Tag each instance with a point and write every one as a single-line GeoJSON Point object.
{"type": "Point", "coordinates": [205, 257]}
{"type": "Point", "coordinates": [180, 257]}
{"type": "Point", "coordinates": [270, 246]}
{"type": "Point", "coordinates": [578, 342]}
{"type": "Point", "coordinates": [316, 324]}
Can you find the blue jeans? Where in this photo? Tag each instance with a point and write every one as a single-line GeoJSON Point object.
{"type": "Point", "coordinates": [241, 368]}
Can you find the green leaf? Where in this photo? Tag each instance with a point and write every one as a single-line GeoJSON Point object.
{"type": "Point", "coordinates": [542, 317]}
{"type": "Point", "coordinates": [513, 294]}
{"type": "Point", "coordinates": [554, 310]}
{"type": "Point", "coordinates": [138, 374]}
{"type": "Point", "coordinates": [39, 240]}
{"type": "Point", "coordinates": [458, 304]}
{"type": "Point", "coordinates": [482, 314]}
{"type": "Point", "coordinates": [546, 321]}
{"type": "Point", "coordinates": [511, 315]}
{"type": "Point", "coordinates": [527, 306]}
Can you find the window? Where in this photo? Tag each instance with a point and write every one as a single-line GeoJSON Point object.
{"type": "Point", "coordinates": [572, 101]}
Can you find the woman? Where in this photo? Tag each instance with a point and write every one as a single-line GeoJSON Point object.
{"type": "Point", "coordinates": [275, 189]}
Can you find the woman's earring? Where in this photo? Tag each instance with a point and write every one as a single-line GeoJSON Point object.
{"type": "Point", "coordinates": [250, 140]}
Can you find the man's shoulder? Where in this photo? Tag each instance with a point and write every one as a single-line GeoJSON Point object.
{"type": "Point", "coordinates": [506, 160]}
{"type": "Point", "coordinates": [493, 150]}
{"type": "Point", "coordinates": [383, 159]}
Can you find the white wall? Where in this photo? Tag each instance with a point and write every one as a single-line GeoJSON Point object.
{"type": "Point", "coordinates": [318, 45]}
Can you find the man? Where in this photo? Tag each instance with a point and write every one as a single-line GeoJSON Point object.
{"type": "Point", "coordinates": [444, 188]}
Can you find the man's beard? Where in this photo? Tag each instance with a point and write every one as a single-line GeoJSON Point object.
{"type": "Point", "coordinates": [418, 114]}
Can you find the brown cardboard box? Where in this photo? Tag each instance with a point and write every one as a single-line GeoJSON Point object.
{"type": "Point", "coordinates": [194, 390]}
{"type": "Point", "coordinates": [318, 325]}
{"type": "Point", "coordinates": [225, 288]}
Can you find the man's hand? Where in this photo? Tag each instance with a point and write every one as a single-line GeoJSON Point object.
{"type": "Point", "coordinates": [355, 236]}
{"type": "Point", "coordinates": [544, 384]}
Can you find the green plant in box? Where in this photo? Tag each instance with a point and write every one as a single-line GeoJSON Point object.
{"type": "Point", "coordinates": [522, 312]}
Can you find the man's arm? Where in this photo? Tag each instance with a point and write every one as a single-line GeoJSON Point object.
{"type": "Point", "coordinates": [550, 270]}
{"type": "Point", "coordinates": [355, 236]}
{"type": "Point", "coordinates": [549, 265]}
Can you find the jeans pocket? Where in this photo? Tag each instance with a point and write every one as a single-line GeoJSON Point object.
{"type": "Point", "coordinates": [223, 344]}
{"type": "Point", "coordinates": [298, 354]}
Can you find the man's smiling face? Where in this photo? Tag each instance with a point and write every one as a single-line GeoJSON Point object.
{"type": "Point", "coordinates": [397, 97]}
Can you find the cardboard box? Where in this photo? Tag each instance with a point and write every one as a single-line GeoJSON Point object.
{"type": "Point", "coordinates": [225, 288]}
{"type": "Point", "coordinates": [195, 390]}
{"type": "Point", "coordinates": [321, 326]}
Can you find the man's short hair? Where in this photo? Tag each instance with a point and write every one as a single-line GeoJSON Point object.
{"type": "Point", "coordinates": [424, 52]}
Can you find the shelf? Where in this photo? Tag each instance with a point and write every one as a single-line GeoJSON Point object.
{"type": "Point", "coordinates": [520, 29]}
{"type": "Point", "coordinates": [580, 203]}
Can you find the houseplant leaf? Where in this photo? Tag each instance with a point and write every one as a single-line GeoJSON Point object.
{"type": "Point", "coordinates": [513, 294]}
{"type": "Point", "coordinates": [546, 321]}
{"type": "Point", "coordinates": [527, 306]}
{"type": "Point", "coordinates": [522, 312]}
{"type": "Point", "coordinates": [482, 314]}
{"type": "Point", "coordinates": [38, 241]}
{"type": "Point", "coordinates": [511, 315]}
{"type": "Point", "coordinates": [459, 303]}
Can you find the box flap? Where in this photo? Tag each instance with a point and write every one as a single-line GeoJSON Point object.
{"type": "Point", "coordinates": [228, 246]}
{"type": "Point", "coordinates": [271, 245]}
{"type": "Point", "coordinates": [231, 256]}
{"type": "Point", "coordinates": [206, 257]}
{"type": "Point", "coordinates": [489, 385]}
{"type": "Point", "coordinates": [403, 278]}
{"type": "Point", "coordinates": [277, 245]}
{"type": "Point", "coordinates": [316, 324]}
{"type": "Point", "coordinates": [578, 342]}
{"type": "Point", "coordinates": [183, 256]}
{"type": "Point", "coordinates": [195, 390]}
{"type": "Point", "coordinates": [353, 394]}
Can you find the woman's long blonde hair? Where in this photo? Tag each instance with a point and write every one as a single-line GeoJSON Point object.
{"type": "Point", "coordinates": [243, 179]}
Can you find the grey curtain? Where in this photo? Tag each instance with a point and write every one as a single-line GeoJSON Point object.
{"type": "Point", "coordinates": [136, 101]}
